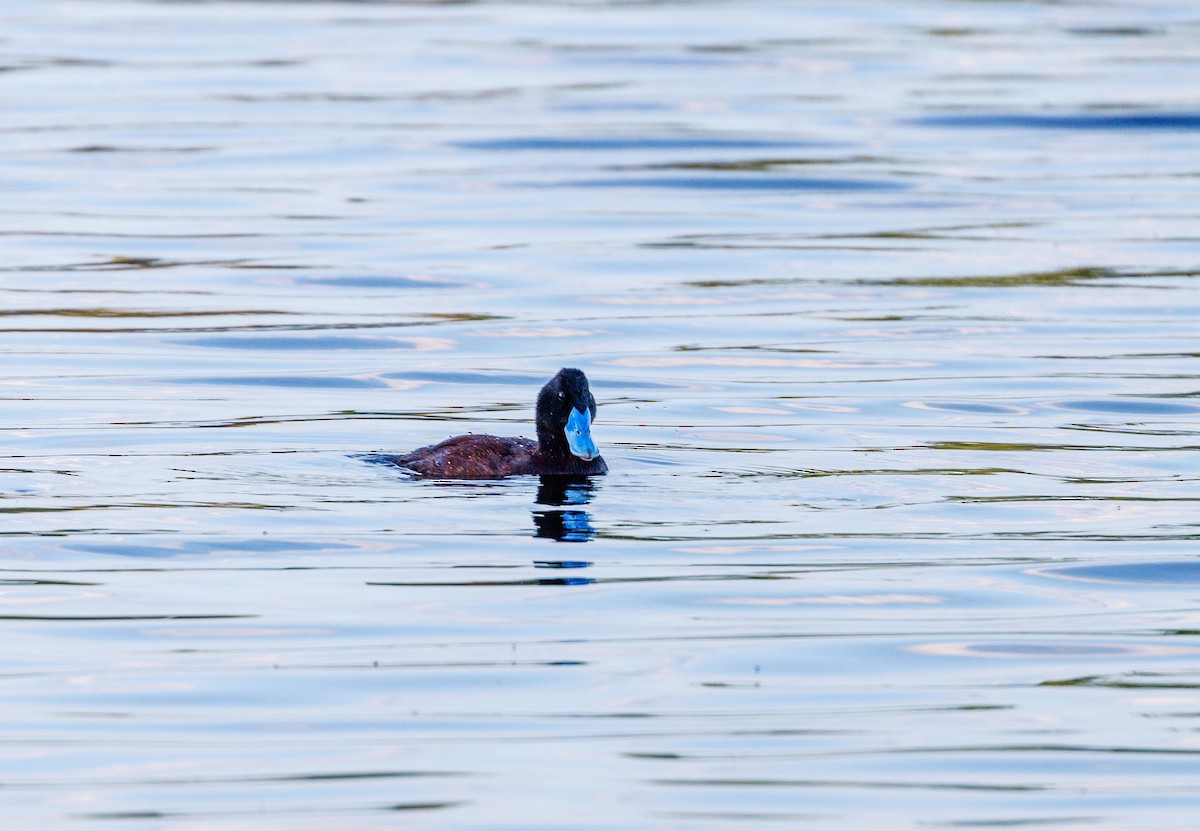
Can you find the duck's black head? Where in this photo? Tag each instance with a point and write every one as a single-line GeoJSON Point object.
{"type": "Point", "coordinates": [565, 410]}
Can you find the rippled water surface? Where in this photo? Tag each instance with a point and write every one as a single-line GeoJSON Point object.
{"type": "Point", "coordinates": [891, 313]}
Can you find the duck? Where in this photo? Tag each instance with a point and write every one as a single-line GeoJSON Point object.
{"type": "Point", "coordinates": [565, 411]}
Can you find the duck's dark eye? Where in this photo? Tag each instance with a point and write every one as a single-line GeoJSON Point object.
{"type": "Point", "coordinates": [560, 394]}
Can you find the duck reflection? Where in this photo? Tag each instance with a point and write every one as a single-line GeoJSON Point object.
{"type": "Point", "coordinates": [567, 524]}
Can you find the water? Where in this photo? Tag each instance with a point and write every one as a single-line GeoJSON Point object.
{"type": "Point", "coordinates": [890, 309]}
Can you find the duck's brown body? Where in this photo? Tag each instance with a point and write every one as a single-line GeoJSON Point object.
{"type": "Point", "coordinates": [492, 457]}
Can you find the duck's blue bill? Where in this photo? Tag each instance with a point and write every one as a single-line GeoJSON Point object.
{"type": "Point", "coordinates": [579, 435]}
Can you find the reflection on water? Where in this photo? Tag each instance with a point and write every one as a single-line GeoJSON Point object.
{"type": "Point", "coordinates": [567, 524]}
{"type": "Point", "coordinates": [890, 309]}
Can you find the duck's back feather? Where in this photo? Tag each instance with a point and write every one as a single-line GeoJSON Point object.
{"type": "Point", "coordinates": [472, 457]}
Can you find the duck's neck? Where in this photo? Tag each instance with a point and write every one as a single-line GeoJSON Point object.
{"type": "Point", "coordinates": [552, 441]}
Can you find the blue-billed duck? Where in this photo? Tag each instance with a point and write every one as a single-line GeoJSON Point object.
{"type": "Point", "coordinates": [564, 446]}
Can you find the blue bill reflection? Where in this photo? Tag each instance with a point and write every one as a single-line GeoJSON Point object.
{"type": "Point", "coordinates": [566, 523]}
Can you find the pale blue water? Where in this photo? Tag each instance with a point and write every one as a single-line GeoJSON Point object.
{"type": "Point", "coordinates": [891, 313]}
